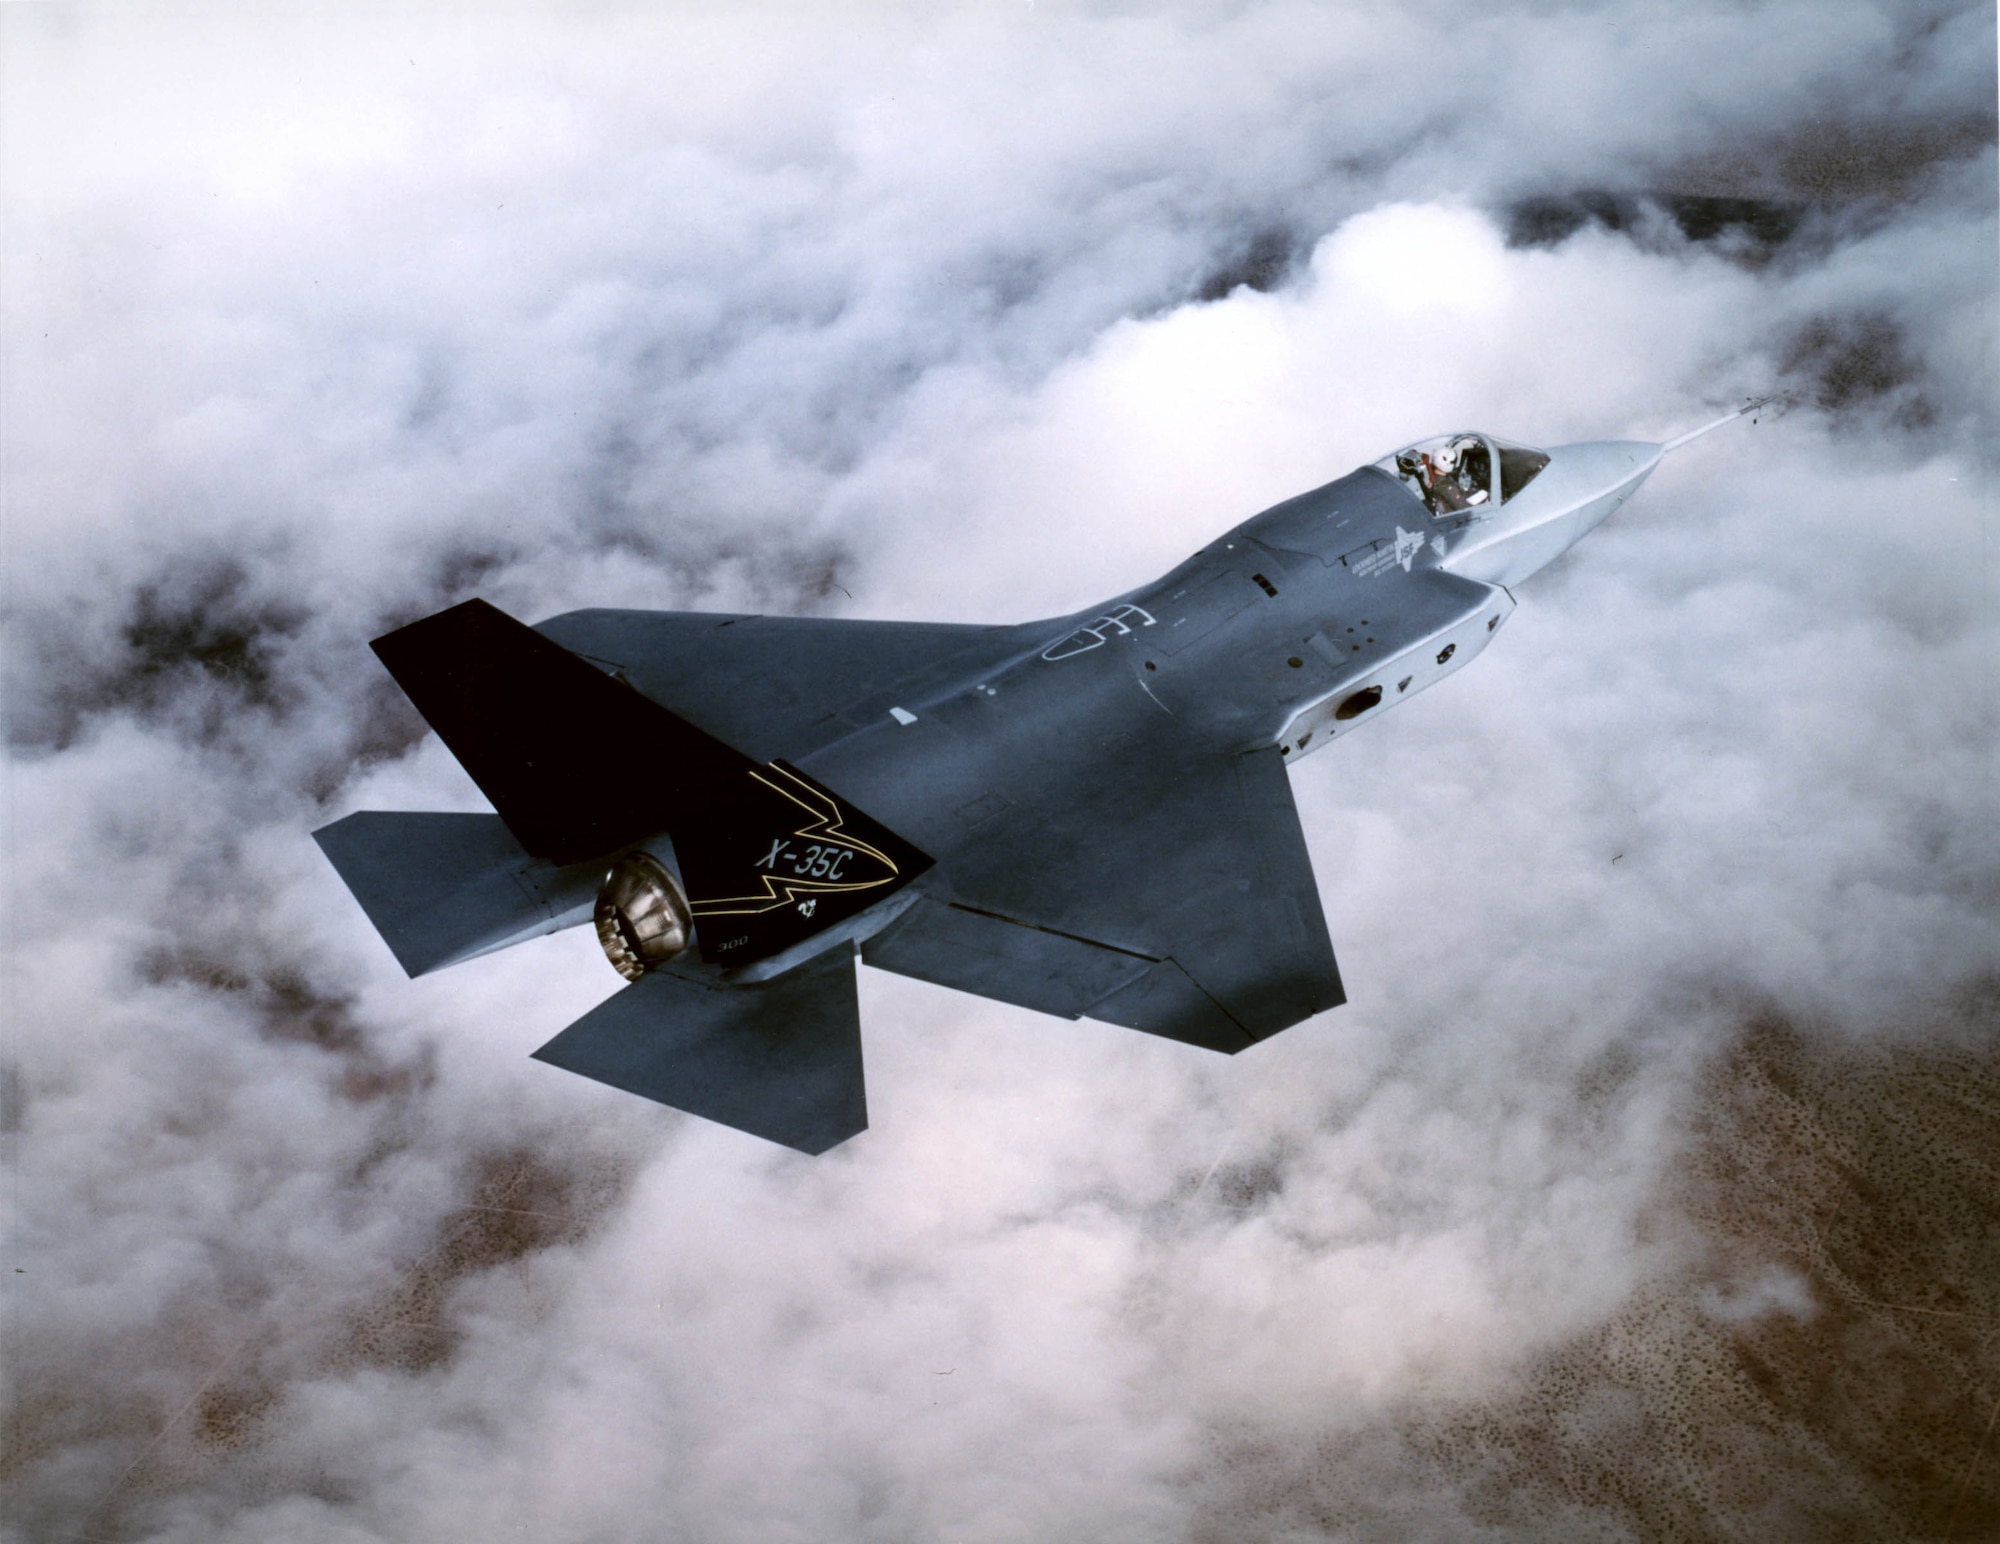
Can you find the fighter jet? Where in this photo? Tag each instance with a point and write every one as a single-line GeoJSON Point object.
{"type": "Point", "coordinates": [1087, 816]}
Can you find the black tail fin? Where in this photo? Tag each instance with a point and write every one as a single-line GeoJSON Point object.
{"type": "Point", "coordinates": [580, 765]}
{"type": "Point", "coordinates": [576, 762]}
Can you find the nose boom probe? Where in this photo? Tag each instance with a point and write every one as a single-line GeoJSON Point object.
{"type": "Point", "coordinates": [1727, 418]}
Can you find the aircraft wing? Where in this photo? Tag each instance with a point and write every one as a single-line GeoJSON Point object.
{"type": "Point", "coordinates": [1177, 898]}
{"type": "Point", "coordinates": [777, 687]}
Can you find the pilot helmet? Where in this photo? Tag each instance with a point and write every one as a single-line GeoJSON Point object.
{"type": "Point", "coordinates": [1445, 458]}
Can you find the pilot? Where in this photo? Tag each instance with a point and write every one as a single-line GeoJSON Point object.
{"type": "Point", "coordinates": [1475, 469]}
{"type": "Point", "coordinates": [1441, 484]}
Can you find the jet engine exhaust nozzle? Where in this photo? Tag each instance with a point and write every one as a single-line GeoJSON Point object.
{"type": "Point", "coordinates": [642, 916]}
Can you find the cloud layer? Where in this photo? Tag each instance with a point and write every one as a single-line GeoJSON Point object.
{"type": "Point", "coordinates": [1669, 930]}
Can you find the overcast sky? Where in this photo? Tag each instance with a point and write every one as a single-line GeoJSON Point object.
{"type": "Point", "coordinates": [1644, 1188]}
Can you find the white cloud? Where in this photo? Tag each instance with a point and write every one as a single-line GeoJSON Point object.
{"type": "Point", "coordinates": [316, 323]}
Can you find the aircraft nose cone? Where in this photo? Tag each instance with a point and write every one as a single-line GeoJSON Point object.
{"type": "Point", "coordinates": [1564, 502]}
{"type": "Point", "coordinates": [1599, 467]}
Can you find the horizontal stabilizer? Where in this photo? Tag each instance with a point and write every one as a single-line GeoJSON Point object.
{"type": "Point", "coordinates": [443, 888]}
{"type": "Point", "coordinates": [780, 1059]}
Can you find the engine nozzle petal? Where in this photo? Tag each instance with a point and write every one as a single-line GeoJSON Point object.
{"type": "Point", "coordinates": [642, 915]}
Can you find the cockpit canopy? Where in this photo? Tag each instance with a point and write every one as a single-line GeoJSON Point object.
{"type": "Point", "coordinates": [1453, 473]}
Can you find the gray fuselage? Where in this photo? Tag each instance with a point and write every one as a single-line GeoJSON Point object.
{"type": "Point", "coordinates": [1291, 630]}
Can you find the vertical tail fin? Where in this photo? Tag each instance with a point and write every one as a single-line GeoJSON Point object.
{"type": "Point", "coordinates": [580, 765]}
{"type": "Point", "coordinates": [576, 762]}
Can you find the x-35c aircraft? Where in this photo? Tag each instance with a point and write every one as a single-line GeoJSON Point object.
{"type": "Point", "coordinates": [1088, 816]}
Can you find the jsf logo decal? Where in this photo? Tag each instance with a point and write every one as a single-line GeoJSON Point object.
{"type": "Point", "coordinates": [1118, 621]}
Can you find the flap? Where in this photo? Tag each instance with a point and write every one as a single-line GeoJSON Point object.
{"type": "Point", "coordinates": [1031, 967]}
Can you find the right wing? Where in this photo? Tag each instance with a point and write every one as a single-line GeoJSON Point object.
{"type": "Point", "coordinates": [1177, 898]}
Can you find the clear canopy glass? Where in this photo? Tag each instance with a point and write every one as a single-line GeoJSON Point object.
{"type": "Point", "coordinates": [1453, 473]}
